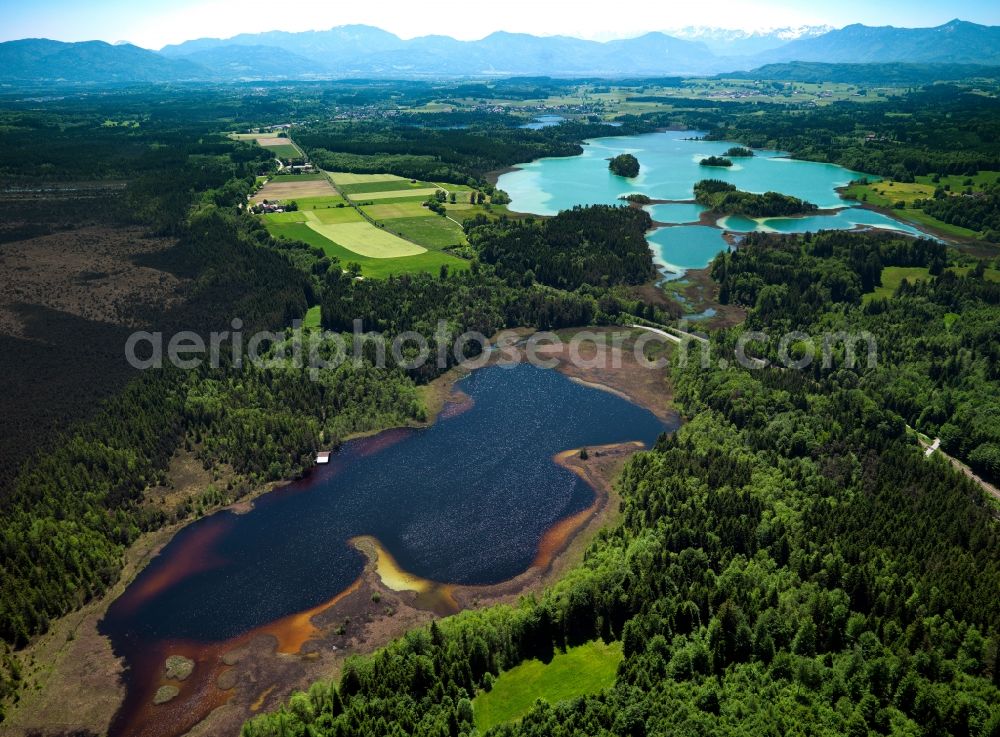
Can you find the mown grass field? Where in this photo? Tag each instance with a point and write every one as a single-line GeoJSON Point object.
{"type": "Point", "coordinates": [429, 262]}
{"type": "Point", "coordinates": [333, 215]}
{"type": "Point", "coordinates": [413, 199]}
{"type": "Point", "coordinates": [392, 194]}
{"type": "Point", "coordinates": [381, 186]}
{"type": "Point", "coordinates": [580, 670]}
{"type": "Point", "coordinates": [365, 239]}
{"type": "Point", "coordinates": [346, 178]}
{"type": "Point", "coordinates": [390, 211]}
{"type": "Point", "coordinates": [285, 151]}
{"type": "Point", "coordinates": [434, 232]}
{"type": "Point", "coordinates": [317, 203]}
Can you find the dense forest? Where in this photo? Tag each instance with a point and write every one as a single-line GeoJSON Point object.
{"type": "Point", "coordinates": [938, 353]}
{"type": "Point", "coordinates": [624, 165]}
{"type": "Point", "coordinates": [716, 161]}
{"type": "Point", "coordinates": [980, 212]}
{"type": "Point", "coordinates": [725, 199]}
{"type": "Point", "coordinates": [943, 129]}
{"type": "Point", "coordinates": [788, 561]}
{"type": "Point", "coordinates": [461, 156]}
{"type": "Point", "coordinates": [596, 245]}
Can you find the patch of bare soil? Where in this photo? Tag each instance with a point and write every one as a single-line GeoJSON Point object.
{"type": "Point", "coordinates": [280, 190]}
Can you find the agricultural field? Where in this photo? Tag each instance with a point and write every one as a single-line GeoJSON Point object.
{"type": "Point", "coordinates": [580, 670]}
{"type": "Point", "coordinates": [420, 193]}
{"type": "Point", "coordinates": [343, 178]}
{"type": "Point", "coordinates": [280, 146]}
{"type": "Point", "coordinates": [332, 216]}
{"type": "Point", "coordinates": [365, 239]}
{"type": "Point", "coordinates": [363, 189]}
{"type": "Point", "coordinates": [429, 262]}
{"type": "Point", "coordinates": [321, 203]}
{"type": "Point", "coordinates": [407, 209]}
{"type": "Point", "coordinates": [403, 233]}
{"type": "Point", "coordinates": [435, 232]}
{"type": "Point", "coordinates": [295, 187]}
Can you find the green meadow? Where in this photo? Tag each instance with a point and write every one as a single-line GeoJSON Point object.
{"type": "Point", "coordinates": [285, 151]}
{"type": "Point", "coordinates": [581, 670]}
{"type": "Point", "coordinates": [434, 232]}
{"type": "Point", "coordinates": [429, 262]}
{"type": "Point", "coordinates": [387, 186]}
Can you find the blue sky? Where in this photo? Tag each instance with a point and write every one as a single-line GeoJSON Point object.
{"type": "Point", "coordinates": [153, 23]}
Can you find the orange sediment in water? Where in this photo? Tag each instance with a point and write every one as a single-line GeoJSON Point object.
{"type": "Point", "coordinates": [293, 631]}
{"type": "Point", "coordinates": [557, 537]}
{"type": "Point", "coordinates": [439, 596]}
{"type": "Point", "coordinates": [200, 694]}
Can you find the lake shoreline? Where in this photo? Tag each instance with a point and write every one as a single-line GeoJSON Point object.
{"type": "Point", "coordinates": [77, 653]}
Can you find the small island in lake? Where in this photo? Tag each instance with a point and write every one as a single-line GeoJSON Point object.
{"type": "Point", "coordinates": [624, 165]}
{"type": "Point", "coordinates": [738, 152]}
{"type": "Point", "coordinates": [716, 161]}
{"type": "Point", "coordinates": [636, 198]}
{"type": "Point", "coordinates": [723, 198]}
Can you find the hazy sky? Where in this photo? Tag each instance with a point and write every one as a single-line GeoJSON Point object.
{"type": "Point", "coordinates": [153, 23]}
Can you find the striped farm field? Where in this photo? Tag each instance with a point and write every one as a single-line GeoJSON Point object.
{"type": "Point", "coordinates": [398, 210]}
{"type": "Point", "coordinates": [422, 193]}
{"type": "Point", "coordinates": [284, 188]}
{"type": "Point", "coordinates": [346, 178]}
{"type": "Point", "coordinates": [390, 184]}
{"type": "Point", "coordinates": [365, 239]}
{"type": "Point", "coordinates": [428, 262]}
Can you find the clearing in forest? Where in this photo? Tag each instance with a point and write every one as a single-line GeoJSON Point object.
{"type": "Point", "coordinates": [588, 668]}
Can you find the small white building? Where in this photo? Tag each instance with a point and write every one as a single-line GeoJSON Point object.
{"type": "Point", "coordinates": [323, 457]}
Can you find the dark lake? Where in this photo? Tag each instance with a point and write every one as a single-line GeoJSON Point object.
{"type": "Point", "coordinates": [464, 501]}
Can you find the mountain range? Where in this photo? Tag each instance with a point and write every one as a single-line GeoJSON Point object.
{"type": "Point", "coordinates": [366, 51]}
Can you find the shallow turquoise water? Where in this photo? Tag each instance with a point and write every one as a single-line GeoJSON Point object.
{"type": "Point", "coordinates": [675, 213]}
{"type": "Point", "coordinates": [677, 249]}
{"type": "Point", "coordinates": [845, 219]}
{"type": "Point", "coordinates": [669, 169]}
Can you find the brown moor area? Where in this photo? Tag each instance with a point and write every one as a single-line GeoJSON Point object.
{"type": "Point", "coordinates": [80, 681]}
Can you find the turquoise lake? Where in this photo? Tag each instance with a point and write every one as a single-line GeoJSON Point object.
{"type": "Point", "coordinates": [670, 168]}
